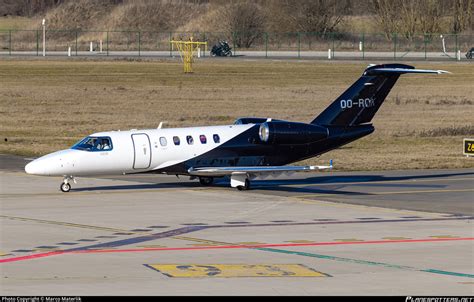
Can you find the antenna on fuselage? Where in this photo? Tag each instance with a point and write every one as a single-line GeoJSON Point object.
{"type": "Point", "coordinates": [161, 125]}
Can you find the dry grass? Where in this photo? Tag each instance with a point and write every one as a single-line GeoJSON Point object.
{"type": "Point", "coordinates": [14, 23]}
{"type": "Point", "coordinates": [48, 105]}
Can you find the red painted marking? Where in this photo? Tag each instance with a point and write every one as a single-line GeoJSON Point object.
{"type": "Point", "coordinates": [34, 256]}
{"type": "Point", "coordinates": [42, 255]}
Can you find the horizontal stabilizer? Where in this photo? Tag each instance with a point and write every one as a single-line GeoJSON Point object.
{"type": "Point", "coordinates": [401, 71]}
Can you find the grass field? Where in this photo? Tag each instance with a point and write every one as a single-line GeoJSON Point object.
{"type": "Point", "coordinates": [17, 23]}
{"type": "Point", "coordinates": [48, 105]}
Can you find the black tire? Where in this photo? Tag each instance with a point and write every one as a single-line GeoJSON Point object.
{"type": "Point", "coordinates": [65, 187]}
{"type": "Point", "coordinates": [206, 181]}
{"type": "Point", "coordinates": [244, 187]}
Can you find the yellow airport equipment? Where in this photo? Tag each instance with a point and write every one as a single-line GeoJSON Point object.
{"type": "Point", "coordinates": [187, 50]}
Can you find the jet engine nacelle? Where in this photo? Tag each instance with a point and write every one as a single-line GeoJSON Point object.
{"type": "Point", "coordinates": [285, 133]}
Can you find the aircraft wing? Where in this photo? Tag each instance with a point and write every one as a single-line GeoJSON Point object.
{"type": "Point", "coordinates": [253, 170]}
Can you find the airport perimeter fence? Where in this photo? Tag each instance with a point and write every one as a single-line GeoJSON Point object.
{"type": "Point", "coordinates": [260, 44]}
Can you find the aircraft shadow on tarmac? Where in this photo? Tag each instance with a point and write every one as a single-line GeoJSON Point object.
{"type": "Point", "coordinates": [333, 184]}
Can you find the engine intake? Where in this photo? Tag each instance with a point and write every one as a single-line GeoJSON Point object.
{"type": "Point", "coordinates": [286, 133]}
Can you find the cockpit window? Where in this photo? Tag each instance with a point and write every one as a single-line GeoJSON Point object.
{"type": "Point", "coordinates": [91, 143]}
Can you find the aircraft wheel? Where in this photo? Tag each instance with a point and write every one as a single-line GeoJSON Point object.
{"type": "Point", "coordinates": [244, 187]}
{"type": "Point", "coordinates": [65, 187]}
{"type": "Point", "coordinates": [206, 181]}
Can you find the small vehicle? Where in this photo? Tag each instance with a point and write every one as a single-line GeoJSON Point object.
{"type": "Point", "coordinates": [221, 49]}
{"type": "Point", "coordinates": [470, 53]}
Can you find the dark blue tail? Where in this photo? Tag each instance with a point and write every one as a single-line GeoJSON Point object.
{"type": "Point", "coordinates": [358, 104]}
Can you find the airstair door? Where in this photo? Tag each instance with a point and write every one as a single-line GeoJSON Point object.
{"type": "Point", "coordinates": [142, 147]}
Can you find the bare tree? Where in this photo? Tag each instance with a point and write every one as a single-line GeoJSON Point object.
{"type": "Point", "coordinates": [387, 16]}
{"type": "Point", "coordinates": [244, 21]}
{"type": "Point", "coordinates": [408, 17]}
{"type": "Point", "coordinates": [462, 15]}
{"type": "Point", "coordinates": [430, 16]}
{"type": "Point", "coordinates": [321, 16]}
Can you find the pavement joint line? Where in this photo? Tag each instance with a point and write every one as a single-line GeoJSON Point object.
{"type": "Point", "coordinates": [344, 222]}
{"type": "Point", "coordinates": [381, 182]}
{"type": "Point", "coordinates": [348, 239]}
{"type": "Point", "coordinates": [151, 246]}
{"type": "Point", "coordinates": [68, 224]}
{"type": "Point", "coordinates": [210, 242]}
{"type": "Point", "coordinates": [228, 246]}
{"type": "Point", "coordinates": [339, 204]}
{"type": "Point", "coordinates": [96, 191]}
{"type": "Point", "coordinates": [184, 230]}
{"type": "Point", "coordinates": [386, 193]}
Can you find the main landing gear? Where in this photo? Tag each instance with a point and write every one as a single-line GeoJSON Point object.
{"type": "Point", "coordinates": [66, 186]}
{"type": "Point", "coordinates": [240, 181]}
{"type": "Point", "coordinates": [246, 185]}
{"type": "Point", "coordinates": [206, 181]}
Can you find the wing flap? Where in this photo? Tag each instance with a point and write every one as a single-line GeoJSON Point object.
{"type": "Point", "coordinates": [254, 170]}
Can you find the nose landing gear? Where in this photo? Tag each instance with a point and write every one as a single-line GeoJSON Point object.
{"type": "Point", "coordinates": [66, 186]}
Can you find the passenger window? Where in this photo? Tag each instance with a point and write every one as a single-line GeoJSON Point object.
{"type": "Point", "coordinates": [176, 140]}
{"type": "Point", "coordinates": [189, 139]}
{"type": "Point", "coordinates": [163, 141]}
{"type": "Point", "coordinates": [216, 138]}
{"type": "Point", "coordinates": [203, 139]}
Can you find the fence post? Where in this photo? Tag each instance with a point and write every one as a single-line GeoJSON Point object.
{"type": "Point", "coordinates": [363, 45]}
{"type": "Point", "coordinates": [266, 45]}
{"type": "Point", "coordinates": [333, 44]}
{"type": "Point", "coordinates": [457, 46]}
{"type": "Point", "coordinates": [426, 42]}
{"type": "Point", "coordinates": [171, 46]}
{"type": "Point", "coordinates": [10, 42]}
{"type": "Point", "coordinates": [299, 45]}
{"type": "Point", "coordinates": [139, 42]}
{"type": "Point", "coordinates": [37, 42]}
{"type": "Point", "coordinates": [76, 42]}
{"type": "Point", "coordinates": [107, 42]}
{"type": "Point", "coordinates": [395, 46]}
{"type": "Point", "coordinates": [233, 43]}
{"type": "Point", "coordinates": [205, 40]}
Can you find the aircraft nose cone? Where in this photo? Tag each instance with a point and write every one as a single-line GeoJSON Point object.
{"type": "Point", "coordinates": [32, 168]}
